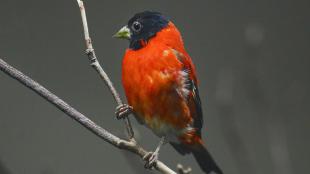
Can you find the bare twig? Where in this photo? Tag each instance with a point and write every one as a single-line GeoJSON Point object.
{"type": "Point", "coordinates": [131, 146]}
{"type": "Point", "coordinates": [181, 169]}
{"type": "Point", "coordinates": [96, 65]}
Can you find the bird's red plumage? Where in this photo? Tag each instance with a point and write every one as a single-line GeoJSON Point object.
{"type": "Point", "coordinates": [153, 79]}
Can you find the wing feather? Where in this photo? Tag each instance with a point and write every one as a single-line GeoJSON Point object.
{"type": "Point", "coordinates": [191, 85]}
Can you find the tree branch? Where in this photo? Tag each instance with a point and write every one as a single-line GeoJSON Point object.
{"type": "Point", "coordinates": [96, 65]}
{"type": "Point", "coordinates": [131, 146]}
{"type": "Point", "coordinates": [182, 170]}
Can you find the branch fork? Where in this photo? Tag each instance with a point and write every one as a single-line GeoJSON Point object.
{"type": "Point", "coordinates": [90, 52]}
{"type": "Point", "coordinates": [130, 144]}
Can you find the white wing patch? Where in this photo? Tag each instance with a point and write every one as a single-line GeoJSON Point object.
{"type": "Point", "coordinates": [184, 85]}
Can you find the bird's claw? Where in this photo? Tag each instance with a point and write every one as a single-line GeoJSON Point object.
{"type": "Point", "coordinates": [151, 160]}
{"type": "Point", "coordinates": [123, 111]}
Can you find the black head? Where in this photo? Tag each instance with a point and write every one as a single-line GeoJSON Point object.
{"type": "Point", "coordinates": [141, 27]}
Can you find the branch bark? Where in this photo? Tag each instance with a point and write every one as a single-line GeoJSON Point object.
{"type": "Point", "coordinates": [131, 146]}
{"type": "Point", "coordinates": [182, 170]}
{"type": "Point", "coordinates": [96, 65]}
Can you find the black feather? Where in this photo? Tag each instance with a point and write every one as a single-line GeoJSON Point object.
{"type": "Point", "coordinates": [181, 148]}
{"type": "Point", "coordinates": [152, 22]}
{"type": "Point", "coordinates": [205, 160]}
{"type": "Point", "coordinates": [198, 117]}
{"type": "Point", "coordinates": [198, 121]}
{"type": "Point", "coordinates": [202, 156]}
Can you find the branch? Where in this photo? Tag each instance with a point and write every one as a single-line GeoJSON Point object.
{"type": "Point", "coordinates": [131, 146]}
{"type": "Point", "coordinates": [96, 65]}
{"type": "Point", "coordinates": [182, 170]}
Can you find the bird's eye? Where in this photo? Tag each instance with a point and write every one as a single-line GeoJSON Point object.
{"type": "Point", "coordinates": [136, 26]}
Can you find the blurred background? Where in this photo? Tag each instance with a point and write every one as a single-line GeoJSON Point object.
{"type": "Point", "coordinates": [252, 59]}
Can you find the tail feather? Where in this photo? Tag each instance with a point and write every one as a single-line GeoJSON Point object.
{"type": "Point", "coordinates": [205, 160]}
{"type": "Point", "coordinates": [202, 156]}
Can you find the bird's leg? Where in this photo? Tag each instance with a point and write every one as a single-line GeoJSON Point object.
{"type": "Point", "coordinates": [123, 111]}
{"type": "Point", "coordinates": [152, 157]}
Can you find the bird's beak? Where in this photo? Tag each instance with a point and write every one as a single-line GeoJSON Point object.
{"type": "Point", "coordinates": [123, 33]}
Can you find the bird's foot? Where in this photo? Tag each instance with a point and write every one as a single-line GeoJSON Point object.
{"type": "Point", "coordinates": [123, 111]}
{"type": "Point", "coordinates": [151, 159]}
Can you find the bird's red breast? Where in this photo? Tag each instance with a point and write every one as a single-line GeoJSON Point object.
{"type": "Point", "coordinates": [160, 83]}
{"type": "Point", "coordinates": [155, 78]}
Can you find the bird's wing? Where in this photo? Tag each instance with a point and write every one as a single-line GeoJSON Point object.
{"type": "Point", "coordinates": [191, 85]}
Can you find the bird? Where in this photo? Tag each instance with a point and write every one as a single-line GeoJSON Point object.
{"type": "Point", "coordinates": [161, 87]}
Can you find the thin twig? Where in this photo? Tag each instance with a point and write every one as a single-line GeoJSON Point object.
{"type": "Point", "coordinates": [131, 146]}
{"type": "Point", "coordinates": [182, 170]}
{"type": "Point", "coordinates": [96, 65]}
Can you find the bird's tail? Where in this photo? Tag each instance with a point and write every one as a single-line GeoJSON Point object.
{"type": "Point", "coordinates": [205, 160]}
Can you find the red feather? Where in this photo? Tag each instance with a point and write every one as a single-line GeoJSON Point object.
{"type": "Point", "coordinates": [153, 84]}
{"type": "Point", "coordinates": [160, 83]}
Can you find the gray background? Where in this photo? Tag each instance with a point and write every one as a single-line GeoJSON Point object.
{"type": "Point", "coordinates": [252, 59]}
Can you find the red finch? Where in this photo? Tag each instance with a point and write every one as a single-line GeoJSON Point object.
{"type": "Point", "coordinates": [160, 83]}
